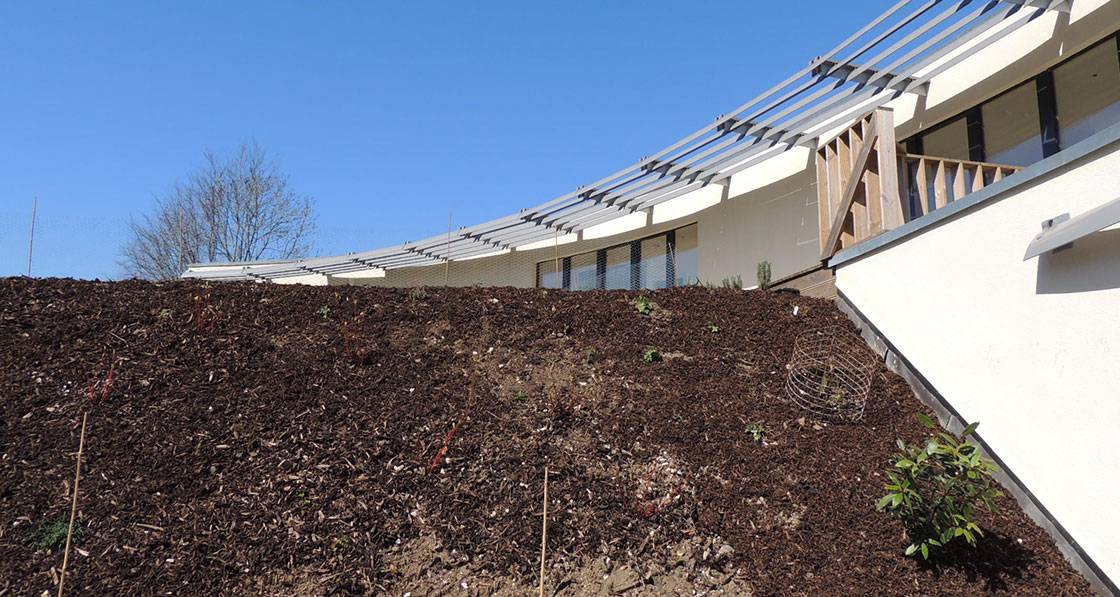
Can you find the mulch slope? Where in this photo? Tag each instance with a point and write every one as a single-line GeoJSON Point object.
{"type": "Point", "coordinates": [268, 439]}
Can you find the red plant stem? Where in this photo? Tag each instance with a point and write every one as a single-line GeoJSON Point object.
{"type": "Point", "coordinates": [108, 381]}
{"type": "Point", "coordinates": [447, 442]}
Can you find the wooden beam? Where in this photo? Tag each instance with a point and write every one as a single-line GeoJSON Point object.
{"type": "Point", "coordinates": [824, 212]}
{"type": "Point", "coordinates": [849, 191]}
{"type": "Point", "coordinates": [894, 209]}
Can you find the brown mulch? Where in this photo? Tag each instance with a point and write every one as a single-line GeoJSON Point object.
{"type": "Point", "coordinates": [263, 439]}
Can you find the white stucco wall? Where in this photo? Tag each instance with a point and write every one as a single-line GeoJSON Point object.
{"type": "Point", "coordinates": [1030, 349]}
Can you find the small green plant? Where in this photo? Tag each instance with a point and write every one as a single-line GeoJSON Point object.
{"type": "Point", "coordinates": [757, 432]}
{"type": "Point", "coordinates": [935, 489]}
{"type": "Point", "coordinates": [764, 275]}
{"type": "Point", "coordinates": [651, 355]}
{"type": "Point", "coordinates": [734, 282]}
{"type": "Point", "coordinates": [521, 396]}
{"type": "Point", "coordinates": [51, 534]}
{"type": "Point", "coordinates": [644, 305]}
{"type": "Point", "coordinates": [164, 314]}
{"type": "Point", "coordinates": [712, 328]}
{"type": "Point", "coordinates": [324, 312]}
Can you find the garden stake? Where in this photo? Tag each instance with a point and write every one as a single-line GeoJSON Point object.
{"type": "Point", "coordinates": [544, 529]}
{"type": "Point", "coordinates": [73, 505]}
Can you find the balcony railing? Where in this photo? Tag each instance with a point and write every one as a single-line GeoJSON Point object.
{"type": "Point", "coordinates": [936, 182]}
{"type": "Point", "coordinates": [858, 174]}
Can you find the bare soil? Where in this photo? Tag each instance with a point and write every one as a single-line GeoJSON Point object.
{"type": "Point", "coordinates": [259, 439]}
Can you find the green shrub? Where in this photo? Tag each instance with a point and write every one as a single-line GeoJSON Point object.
{"type": "Point", "coordinates": [651, 355]}
{"type": "Point", "coordinates": [51, 534]}
{"type": "Point", "coordinates": [764, 275]}
{"type": "Point", "coordinates": [935, 489]}
{"type": "Point", "coordinates": [757, 432]}
{"type": "Point", "coordinates": [644, 305]}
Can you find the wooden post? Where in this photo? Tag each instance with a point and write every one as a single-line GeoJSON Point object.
{"type": "Point", "coordinates": [824, 207]}
{"type": "Point", "coordinates": [890, 198]}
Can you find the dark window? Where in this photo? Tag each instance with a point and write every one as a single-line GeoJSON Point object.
{"type": "Point", "coordinates": [1057, 109]}
{"type": "Point", "coordinates": [1011, 127]}
{"type": "Point", "coordinates": [660, 261]}
{"type": "Point", "coordinates": [1087, 91]}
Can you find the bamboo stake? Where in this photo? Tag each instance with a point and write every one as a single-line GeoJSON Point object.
{"type": "Point", "coordinates": [31, 241]}
{"type": "Point", "coordinates": [556, 258]}
{"type": "Point", "coordinates": [544, 529]}
{"type": "Point", "coordinates": [447, 256]}
{"type": "Point", "coordinates": [73, 506]}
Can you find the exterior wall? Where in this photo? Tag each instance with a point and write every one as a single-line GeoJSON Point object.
{"type": "Point", "coordinates": [774, 221]}
{"type": "Point", "coordinates": [1038, 45]}
{"type": "Point", "coordinates": [1031, 349]}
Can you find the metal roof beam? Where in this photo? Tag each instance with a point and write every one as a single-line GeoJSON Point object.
{"type": "Point", "coordinates": [866, 74]}
{"type": "Point", "coordinates": [1061, 6]}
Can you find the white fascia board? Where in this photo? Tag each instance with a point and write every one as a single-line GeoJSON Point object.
{"type": "Point", "coordinates": [309, 280]}
{"type": "Point", "coordinates": [483, 255]}
{"type": "Point", "coordinates": [688, 204]}
{"type": "Point", "coordinates": [616, 226]}
{"type": "Point", "coordinates": [563, 239]}
{"type": "Point", "coordinates": [372, 272]}
{"type": "Point", "coordinates": [788, 163]}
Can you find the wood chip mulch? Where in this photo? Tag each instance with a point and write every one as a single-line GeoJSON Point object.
{"type": "Point", "coordinates": [261, 439]}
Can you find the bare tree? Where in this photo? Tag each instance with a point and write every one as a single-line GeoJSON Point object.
{"type": "Point", "coordinates": [236, 209]}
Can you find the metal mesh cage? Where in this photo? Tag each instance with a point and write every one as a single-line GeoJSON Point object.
{"type": "Point", "coordinates": [830, 373]}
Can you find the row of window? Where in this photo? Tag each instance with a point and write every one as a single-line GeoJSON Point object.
{"type": "Point", "coordinates": [662, 261]}
{"type": "Point", "coordinates": [1036, 119]}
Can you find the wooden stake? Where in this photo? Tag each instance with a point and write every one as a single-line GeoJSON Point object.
{"type": "Point", "coordinates": [447, 256]}
{"type": "Point", "coordinates": [556, 258]}
{"type": "Point", "coordinates": [31, 241]}
{"type": "Point", "coordinates": [544, 529]}
{"type": "Point", "coordinates": [73, 506]}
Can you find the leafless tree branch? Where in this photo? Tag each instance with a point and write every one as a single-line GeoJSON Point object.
{"type": "Point", "coordinates": [236, 209]}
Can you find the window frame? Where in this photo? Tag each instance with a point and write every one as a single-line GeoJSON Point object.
{"type": "Point", "coordinates": [1049, 130]}
{"type": "Point", "coordinates": [635, 247]}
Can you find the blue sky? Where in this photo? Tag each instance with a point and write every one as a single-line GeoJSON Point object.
{"type": "Point", "coordinates": [390, 115]}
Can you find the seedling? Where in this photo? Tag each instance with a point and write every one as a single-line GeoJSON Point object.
{"type": "Point", "coordinates": [935, 489]}
{"type": "Point", "coordinates": [644, 305]}
{"type": "Point", "coordinates": [447, 442]}
{"type": "Point", "coordinates": [714, 329]}
{"type": "Point", "coordinates": [521, 396]}
{"type": "Point", "coordinates": [98, 390]}
{"type": "Point", "coordinates": [164, 314]}
{"type": "Point", "coordinates": [51, 534]}
{"type": "Point", "coordinates": [205, 314]}
{"type": "Point", "coordinates": [764, 275]}
{"type": "Point", "coordinates": [651, 355]}
{"type": "Point", "coordinates": [324, 312]}
{"type": "Point", "coordinates": [734, 282]}
{"type": "Point", "coordinates": [757, 432]}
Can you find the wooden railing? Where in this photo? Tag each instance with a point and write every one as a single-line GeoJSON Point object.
{"type": "Point", "coordinates": [944, 180]}
{"type": "Point", "coordinates": [857, 183]}
{"type": "Point", "coordinates": [858, 174]}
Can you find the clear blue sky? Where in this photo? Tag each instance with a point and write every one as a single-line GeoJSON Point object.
{"type": "Point", "coordinates": [389, 114]}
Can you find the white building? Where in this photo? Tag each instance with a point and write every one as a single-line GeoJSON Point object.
{"type": "Point", "coordinates": [905, 172]}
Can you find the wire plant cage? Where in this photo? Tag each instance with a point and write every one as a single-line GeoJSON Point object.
{"type": "Point", "coordinates": [830, 374]}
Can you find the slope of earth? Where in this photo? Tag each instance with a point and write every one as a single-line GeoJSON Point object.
{"type": "Point", "coordinates": [260, 439]}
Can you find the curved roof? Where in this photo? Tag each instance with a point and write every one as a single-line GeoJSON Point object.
{"type": "Point", "coordinates": [898, 52]}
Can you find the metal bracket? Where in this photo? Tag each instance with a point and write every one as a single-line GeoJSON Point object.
{"type": "Point", "coordinates": [1060, 232]}
{"type": "Point", "coordinates": [1048, 225]}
